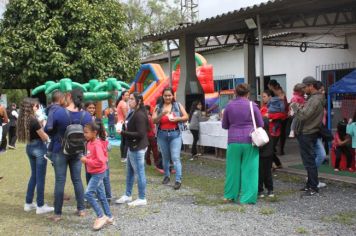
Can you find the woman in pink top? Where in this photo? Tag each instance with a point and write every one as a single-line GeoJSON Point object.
{"type": "Point", "coordinates": [122, 110]}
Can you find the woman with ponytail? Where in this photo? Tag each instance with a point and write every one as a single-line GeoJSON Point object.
{"type": "Point", "coordinates": [137, 141]}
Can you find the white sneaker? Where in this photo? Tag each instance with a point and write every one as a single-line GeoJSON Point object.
{"type": "Point", "coordinates": [138, 202]}
{"type": "Point", "coordinates": [110, 221]}
{"type": "Point", "coordinates": [321, 185]}
{"type": "Point", "coordinates": [44, 209]}
{"type": "Point", "coordinates": [29, 207]}
{"type": "Point", "coordinates": [291, 134]}
{"type": "Point", "coordinates": [123, 199]}
{"type": "Point", "coordinates": [124, 160]}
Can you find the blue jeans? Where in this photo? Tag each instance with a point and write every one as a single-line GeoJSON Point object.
{"type": "Point", "coordinates": [307, 144]}
{"type": "Point", "coordinates": [36, 150]}
{"type": "Point", "coordinates": [96, 187]}
{"type": "Point", "coordinates": [107, 184]}
{"type": "Point", "coordinates": [136, 166]}
{"type": "Point", "coordinates": [320, 153]}
{"type": "Point", "coordinates": [170, 144]}
{"type": "Point", "coordinates": [61, 162]}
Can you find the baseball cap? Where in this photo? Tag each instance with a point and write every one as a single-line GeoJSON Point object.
{"type": "Point", "coordinates": [309, 80]}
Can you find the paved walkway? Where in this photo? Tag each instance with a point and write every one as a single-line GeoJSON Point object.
{"type": "Point", "coordinates": [292, 157]}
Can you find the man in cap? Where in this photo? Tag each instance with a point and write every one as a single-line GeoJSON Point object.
{"type": "Point", "coordinates": [308, 121]}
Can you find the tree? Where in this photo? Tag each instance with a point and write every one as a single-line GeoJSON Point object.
{"type": "Point", "coordinates": [151, 16]}
{"type": "Point", "coordinates": [44, 40]}
{"type": "Point", "coordinates": [15, 95]}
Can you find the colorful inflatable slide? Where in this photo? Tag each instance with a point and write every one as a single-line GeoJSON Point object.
{"type": "Point", "coordinates": [151, 79]}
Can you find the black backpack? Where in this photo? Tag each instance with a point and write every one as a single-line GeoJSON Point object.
{"type": "Point", "coordinates": [73, 142]}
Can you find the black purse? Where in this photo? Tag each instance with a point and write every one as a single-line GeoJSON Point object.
{"type": "Point", "coordinates": [325, 133]}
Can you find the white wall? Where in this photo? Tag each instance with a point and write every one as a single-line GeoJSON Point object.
{"type": "Point", "coordinates": [281, 60]}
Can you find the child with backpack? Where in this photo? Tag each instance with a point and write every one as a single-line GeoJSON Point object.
{"type": "Point", "coordinates": [96, 163]}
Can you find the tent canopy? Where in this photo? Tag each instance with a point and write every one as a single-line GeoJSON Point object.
{"type": "Point", "coordinates": [346, 85]}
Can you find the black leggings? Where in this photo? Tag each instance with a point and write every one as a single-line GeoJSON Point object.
{"type": "Point", "coordinates": [276, 160]}
{"type": "Point", "coordinates": [346, 150]}
{"type": "Point", "coordinates": [283, 137]}
{"type": "Point", "coordinates": [265, 174]}
{"type": "Point", "coordinates": [12, 135]}
{"type": "Point", "coordinates": [195, 134]}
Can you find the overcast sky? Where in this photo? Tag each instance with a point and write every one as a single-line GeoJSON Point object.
{"type": "Point", "coordinates": [210, 8]}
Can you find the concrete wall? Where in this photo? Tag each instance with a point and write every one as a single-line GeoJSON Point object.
{"type": "Point", "coordinates": [282, 60]}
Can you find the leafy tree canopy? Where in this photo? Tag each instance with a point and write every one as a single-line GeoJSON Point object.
{"type": "Point", "coordinates": [151, 16]}
{"type": "Point", "coordinates": [43, 40]}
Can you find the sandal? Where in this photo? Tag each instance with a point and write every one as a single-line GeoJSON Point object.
{"type": "Point", "coordinates": [226, 200]}
{"type": "Point", "coordinates": [81, 213]}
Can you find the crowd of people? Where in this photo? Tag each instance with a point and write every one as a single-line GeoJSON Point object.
{"type": "Point", "coordinates": [249, 168]}
{"type": "Point", "coordinates": [70, 135]}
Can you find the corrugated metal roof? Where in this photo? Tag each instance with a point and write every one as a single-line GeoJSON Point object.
{"type": "Point", "coordinates": [233, 21]}
{"type": "Point", "coordinates": [207, 20]}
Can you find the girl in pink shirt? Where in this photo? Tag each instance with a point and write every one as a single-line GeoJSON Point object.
{"type": "Point", "coordinates": [96, 164]}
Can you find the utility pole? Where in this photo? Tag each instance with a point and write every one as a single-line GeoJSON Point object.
{"type": "Point", "coordinates": [189, 11]}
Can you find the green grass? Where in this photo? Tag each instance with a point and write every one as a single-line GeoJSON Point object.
{"type": "Point", "coordinates": [267, 211]}
{"type": "Point", "coordinates": [15, 169]}
{"type": "Point", "coordinates": [233, 208]}
{"type": "Point", "coordinates": [301, 230]}
{"type": "Point", "coordinates": [345, 218]}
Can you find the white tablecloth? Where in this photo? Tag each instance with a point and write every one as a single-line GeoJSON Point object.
{"type": "Point", "coordinates": [211, 134]}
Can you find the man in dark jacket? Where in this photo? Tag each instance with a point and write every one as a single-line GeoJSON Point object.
{"type": "Point", "coordinates": [308, 121]}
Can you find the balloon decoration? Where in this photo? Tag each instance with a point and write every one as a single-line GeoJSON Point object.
{"type": "Point", "coordinates": [93, 90]}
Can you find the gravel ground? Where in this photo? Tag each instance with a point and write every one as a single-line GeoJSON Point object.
{"type": "Point", "coordinates": [172, 212]}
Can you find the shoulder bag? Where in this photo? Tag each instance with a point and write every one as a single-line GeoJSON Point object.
{"type": "Point", "coordinates": [259, 136]}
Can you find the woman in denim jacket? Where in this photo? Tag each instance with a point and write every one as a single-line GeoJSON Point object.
{"type": "Point", "coordinates": [170, 117]}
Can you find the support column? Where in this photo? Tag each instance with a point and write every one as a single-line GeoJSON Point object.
{"type": "Point", "coordinates": [188, 82]}
{"type": "Point", "coordinates": [260, 53]}
{"type": "Point", "coordinates": [250, 65]}
{"type": "Point", "coordinates": [169, 63]}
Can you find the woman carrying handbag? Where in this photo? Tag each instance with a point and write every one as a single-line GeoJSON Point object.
{"type": "Point", "coordinates": [242, 156]}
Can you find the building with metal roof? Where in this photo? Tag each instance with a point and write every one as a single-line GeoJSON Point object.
{"type": "Point", "coordinates": [286, 23]}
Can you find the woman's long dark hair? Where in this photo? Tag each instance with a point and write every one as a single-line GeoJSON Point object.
{"type": "Point", "coordinates": [121, 96]}
{"type": "Point", "coordinates": [354, 118]}
{"type": "Point", "coordinates": [170, 89]}
{"type": "Point", "coordinates": [26, 113]}
{"type": "Point", "coordinates": [193, 108]}
{"type": "Point", "coordinates": [341, 129]}
{"type": "Point", "coordinates": [77, 98]}
{"type": "Point", "coordinates": [141, 106]}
